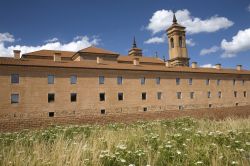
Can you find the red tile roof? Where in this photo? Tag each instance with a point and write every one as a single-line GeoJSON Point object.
{"type": "Point", "coordinates": [96, 50]}
{"type": "Point", "coordinates": [49, 53]}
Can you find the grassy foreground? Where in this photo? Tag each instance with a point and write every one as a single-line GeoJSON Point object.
{"type": "Point", "coordinates": [183, 141]}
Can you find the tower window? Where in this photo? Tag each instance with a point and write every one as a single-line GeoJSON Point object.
{"type": "Point", "coordinates": [218, 82]}
{"type": "Point", "coordinates": [219, 94]}
{"type": "Point", "coordinates": [178, 80]}
{"type": "Point", "coordinates": [103, 111]}
{"type": "Point", "coordinates": [119, 80]}
{"type": "Point", "coordinates": [191, 95]}
{"type": "Point", "coordinates": [144, 96]}
{"type": "Point", "coordinates": [73, 79]}
{"type": "Point", "coordinates": [245, 94]}
{"type": "Point", "coordinates": [102, 96]}
{"type": "Point", "coordinates": [143, 80]}
{"type": "Point", "coordinates": [51, 97]}
{"type": "Point", "coordinates": [14, 78]}
{"type": "Point", "coordinates": [190, 81]}
{"type": "Point", "coordinates": [159, 94]}
{"type": "Point", "coordinates": [180, 42]}
{"type": "Point", "coordinates": [101, 79]}
{"type": "Point", "coordinates": [207, 81]}
{"type": "Point", "coordinates": [235, 93]}
{"type": "Point", "coordinates": [172, 42]}
{"type": "Point", "coordinates": [73, 97]}
{"type": "Point", "coordinates": [208, 94]}
{"type": "Point", "coordinates": [234, 82]}
{"type": "Point", "coordinates": [14, 98]}
{"type": "Point", "coordinates": [178, 95]}
{"type": "Point", "coordinates": [120, 96]}
{"type": "Point", "coordinates": [243, 82]}
{"type": "Point", "coordinates": [158, 80]}
{"type": "Point", "coordinates": [51, 79]}
{"type": "Point", "coordinates": [51, 114]}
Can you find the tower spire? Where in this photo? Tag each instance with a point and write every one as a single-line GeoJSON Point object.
{"type": "Point", "coordinates": [174, 19]}
{"type": "Point", "coordinates": [134, 43]}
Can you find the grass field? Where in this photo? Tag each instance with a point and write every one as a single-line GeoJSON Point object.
{"type": "Point", "coordinates": [184, 141]}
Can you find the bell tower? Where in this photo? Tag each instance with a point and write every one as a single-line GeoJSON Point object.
{"type": "Point", "coordinates": [178, 55]}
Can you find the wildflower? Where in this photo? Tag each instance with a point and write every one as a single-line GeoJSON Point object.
{"type": "Point", "coordinates": [131, 165]}
{"type": "Point", "coordinates": [178, 152]}
{"type": "Point", "coordinates": [234, 163]}
{"type": "Point", "coordinates": [123, 161]}
{"type": "Point", "coordinates": [122, 147]}
{"type": "Point", "coordinates": [168, 146]}
{"type": "Point", "coordinates": [248, 143]}
{"type": "Point", "coordinates": [198, 162]}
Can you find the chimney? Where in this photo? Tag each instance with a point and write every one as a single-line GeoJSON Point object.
{"type": "Point", "coordinates": [167, 64]}
{"type": "Point", "coordinates": [194, 65]}
{"type": "Point", "coordinates": [17, 54]}
{"type": "Point", "coordinates": [57, 57]}
{"type": "Point", "coordinates": [218, 66]}
{"type": "Point", "coordinates": [239, 67]}
{"type": "Point", "coordinates": [99, 60]}
{"type": "Point", "coordinates": [136, 61]}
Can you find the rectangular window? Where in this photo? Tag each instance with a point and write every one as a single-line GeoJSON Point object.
{"type": "Point", "coordinates": [243, 82]}
{"type": "Point", "coordinates": [51, 79]}
{"type": "Point", "coordinates": [51, 114]}
{"type": "Point", "coordinates": [191, 95]}
{"type": "Point", "coordinates": [103, 111]}
{"type": "Point", "coordinates": [219, 94]}
{"type": "Point", "coordinates": [178, 80]}
{"type": "Point", "coordinates": [178, 95]}
{"type": "Point", "coordinates": [144, 96]}
{"type": "Point", "coordinates": [218, 82]}
{"type": "Point", "coordinates": [245, 94]}
{"type": "Point", "coordinates": [120, 96]}
{"type": "Point", "coordinates": [15, 78]}
{"type": "Point", "coordinates": [73, 97]}
{"type": "Point", "coordinates": [190, 81]}
{"type": "Point", "coordinates": [234, 82]}
{"type": "Point", "coordinates": [143, 80]}
{"type": "Point", "coordinates": [235, 93]}
{"type": "Point", "coordinates": [119, 80]}
{"type": "Point", "coordinates": [102, 96]}
{"type": "Point", "coordinates": [158, 80]}
{"type": "Point", "coordinates": [207, 81]}
{"type": "Point", "coordinates": [159, 95]}
{"type": "Point", "coordinates": [101, 79]}
{"type": "Point", "coordinates": [73, 79]}
{"type": "Point", "coordinates": [145, 109]}
{"type": "Point", "coordinates": [51, 97]}
{"type": "Point", "coordinates": [14, 98]}
{"type": "Point", "coordinates": [208, 94]}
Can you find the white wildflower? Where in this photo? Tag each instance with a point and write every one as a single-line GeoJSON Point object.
{"type": "Point", "coordinates": [178, 152]}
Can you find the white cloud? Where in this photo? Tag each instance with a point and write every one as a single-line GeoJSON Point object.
{"type": "Point", "coordinates": [155, 40]}
{"type": "Point", "coordinates": [190, 42]}
{"type": "Point", "coordinates": [208, 66]}
{"type": "Point", "coordinates": [207, 51]}
{"type": "Point", "coordinates": [162, 19]}
{"type": "Point", "coordinates": [78, 43]}
{"type": "Point", "coordinates": [51, 40]}
{"type": "Point", "coordinates": [248, 8]}
{"type": "Point", "coordinates": [240, 42]}
{"type": "Point", "coordinates": [6, 37]}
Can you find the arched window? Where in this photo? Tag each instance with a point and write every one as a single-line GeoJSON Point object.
{"type": "Point", "coordinates": [172, 42]}
{"type": "Point", "coordinates": [180, 42]}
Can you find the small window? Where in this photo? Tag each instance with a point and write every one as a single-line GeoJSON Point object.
{"type": "Point", "coordinates": [190, 81]}
{"type": "Point", "coordinates": [172, 42]}
{"type": "Point", "coordinates": [73, 97]}
{"type": "Point", "coordinates": [245, 94]}
{"type": "Point", "coordinates": [180, 42]}
{"type": "Point", "coordinates": [51, 114]}
{"type": "Point", "coordinates": [103, 111]}
{"type": "Point", "coordinates": [207, 81]}
{"type": "Point", "coordinates": [209, 105]}
{"type": "Point", "coordinates": [144, 95]}
{"type": "Point", "coordinates": [178, 95]}
{"type": "Point", "coordinates": [234, 82]}
{"type": "Point", "coordinates": [119, 80]}
{"type": "Point", "coordinates": [236, 104]}
{"type": "Point", "coordinates": [208, 94]}
{"type": "Point", "coordinates": [15, 78]}
{"type": "Point", "coordinates": [51, 97]}
{"type": "Point", "coordinates": [178, 80]}
{"type": "Point", "coordinates": [101, 79]}
{"type": "Point", "coordinates": [51, 79]}
{"type": "Point", "coordinates": [218, 82]}
{"type": "Point", "coordinates": [191, 95]}
{"type": "Point", "coordinates": [235, 93]}
{"type": "Point", "coordinates": [14, 98]}
{"type": "Point", "coordinates": [73, 79]}
{"type": "Point", "coordinates": [159, 95]}
{"type": "Point", "coordinates": [102, 96]}
{"type": "Point", "coordinates": [145, 109]}
{"type": "Point", "coordinates": [120, 96]}
{"type": "Point", "coordinates": [219, 94]}
{"type": "Point", "coordinates": [158, 80]}
{"type": "Point", "coordinates": [143, 80]}
{"type": "Point", "coordinates": [243, 82]}
{"type": "Point", "coordinates": [180, 107]}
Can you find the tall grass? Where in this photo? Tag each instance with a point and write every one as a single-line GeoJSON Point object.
{"type": "Point", "coordinates": [169, 142]}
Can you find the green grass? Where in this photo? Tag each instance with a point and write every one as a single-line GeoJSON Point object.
{"type": "Point", "coordinates": [183, 141]}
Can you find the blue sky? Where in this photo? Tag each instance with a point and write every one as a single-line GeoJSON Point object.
{"type": "Point", "coordinates": [220, 28]}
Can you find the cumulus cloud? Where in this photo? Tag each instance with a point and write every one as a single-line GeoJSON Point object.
{"type": "Point", "coordinates": [6, 37]}
{"type": "Point", "coordinates": [190, 42]}
{"type": "Point", "coordinates": [155, 40]}
{"type": "Point", "coordinates": [162, 19]}
{"type": "Point", "coordinates": [239, 43]}
{"type": "Point", "coordinates": [51, 40]}
{"type": "Point", "coordinates": [207, 51]}
{"type": "Point", "coordinates": [76, 44]}
{"type": "Point", "coordinates": [208, 66]}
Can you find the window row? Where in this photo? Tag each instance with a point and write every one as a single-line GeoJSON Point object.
{"type": "Point", "coordinates": [120, 96]}
{"type": "Point", "coordinates": [73, 80]}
